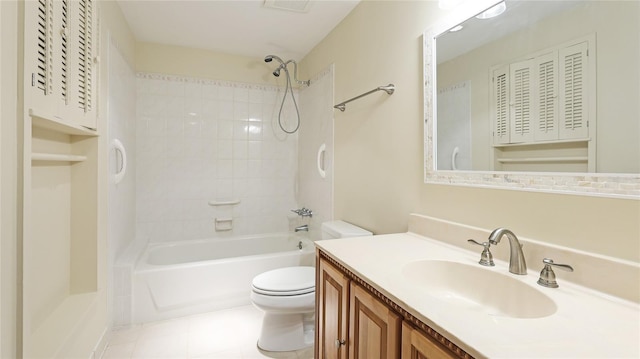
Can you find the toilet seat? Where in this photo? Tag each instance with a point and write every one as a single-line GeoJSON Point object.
{"type": "Point", "coordinates": [287, 281]}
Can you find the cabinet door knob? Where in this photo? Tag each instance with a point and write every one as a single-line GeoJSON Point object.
{"type": "Point", "coordinates": [339, 343]}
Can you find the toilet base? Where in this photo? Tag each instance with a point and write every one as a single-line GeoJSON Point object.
{"type": "Point", "coordinates": [286, 332]}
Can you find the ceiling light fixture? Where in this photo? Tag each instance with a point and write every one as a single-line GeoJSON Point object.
{"type": "Point", "coordinates": [493, 11]}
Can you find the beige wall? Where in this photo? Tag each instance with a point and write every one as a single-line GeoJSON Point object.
{"type": "Point", "coordinates": [9, 229]}
{"type": "Point", "coordinates": [183, 61]}
{"type": "Point", "coordinates": [116, 28]}
{"type": "Point", "coordinates": [379, 151]}
{"type": "Point", "coordinates": [378, 139]}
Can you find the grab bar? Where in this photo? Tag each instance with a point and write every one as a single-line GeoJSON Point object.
{"type": "Point", "coordinates": [224, 203]}
{"type": "Point", "coordinates": [388, 89]}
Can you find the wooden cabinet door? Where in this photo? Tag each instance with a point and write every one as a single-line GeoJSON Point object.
{"type": "Point", "coordinates": [332, 311]}
{"type": "Point", "coordinates": [374, 330]}
{"type": "Point", "coordinates": [416, 345]}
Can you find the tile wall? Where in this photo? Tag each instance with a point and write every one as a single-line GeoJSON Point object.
{"type": "Point", "coordinates": [203, 140]}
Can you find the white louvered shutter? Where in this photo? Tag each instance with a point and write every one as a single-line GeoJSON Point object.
{"type": "Point", "coordinates": [500, 105]}
{"type": "Point", "coordinates": [85, 38]}
{"type": "Point", "coordinates": [574, 119]}
{"type": "Point", "coordinates": [521, 97]}
{"type": "Point", "coordinates": [39, 55]}
{"type": "Point", "coordinates": [82, 73]}
{"type": "Point", "coordinates": [545, 124]}
{"type": "Point", "coordinates": [62, 63]}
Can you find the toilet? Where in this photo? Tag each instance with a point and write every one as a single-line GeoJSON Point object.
{"type": "Point", "coordinates": [287, 298]}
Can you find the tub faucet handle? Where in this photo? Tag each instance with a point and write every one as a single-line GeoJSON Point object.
{"type": "Point", "coordinates": [304, 212]}
{"type": "Point", "coordinates": [486, 258]}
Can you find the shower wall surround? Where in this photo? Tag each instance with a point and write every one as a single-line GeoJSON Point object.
{"type": "Point", "coordinates": [122, 196]}
{"type": "Point", "coordinates": [202, 140]}
{"type": "Point", "coordinates": [316, 129]}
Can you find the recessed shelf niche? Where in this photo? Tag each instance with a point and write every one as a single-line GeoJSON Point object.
{"type": "Point", "coordinates": [61, 236]}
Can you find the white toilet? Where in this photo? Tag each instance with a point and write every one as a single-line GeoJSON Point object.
{"type": "Point", "coordinates": [287, 298]}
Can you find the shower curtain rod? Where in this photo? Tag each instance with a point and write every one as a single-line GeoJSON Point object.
{"type": "Point", "coordinates": [388, 89]}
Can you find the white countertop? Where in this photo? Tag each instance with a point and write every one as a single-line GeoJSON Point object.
{"type": "Point", "coordinates": [586, 324]}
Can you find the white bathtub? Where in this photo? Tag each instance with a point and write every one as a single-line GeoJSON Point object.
{"type": "Point", "coordinates": [189, 277]}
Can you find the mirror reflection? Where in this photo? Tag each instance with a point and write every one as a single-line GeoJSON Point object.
{"type": "Point", "coordinates": [546, 86]}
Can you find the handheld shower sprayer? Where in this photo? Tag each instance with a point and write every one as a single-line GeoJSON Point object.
{"type": "Point", "coordinates": [283, 65]}
{"type": "Point", "coordinates": [288, 87]}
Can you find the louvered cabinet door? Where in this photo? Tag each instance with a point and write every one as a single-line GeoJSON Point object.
{"type": "Point", "coordinates": [374, 330]}
{"type": "Point", "coordinates": [42, 75]}
{"type": "Point", "coordinates": [545, 124]}
{"type": "Point", "coordinates": [81, 56]}
{"type": "Point", "coordinates": [416, 345]}
{"type": "Point", "coordinates": [521, 101]}
{"type": "Point", "coordinates": [60, 53]}
{"type": "Point", "coordinates": [500, 105]}
{"type": "Point", "coordinates": [574, 119]}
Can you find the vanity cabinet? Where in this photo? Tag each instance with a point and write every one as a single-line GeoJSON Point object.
{"type": "Point", "coordinates": [356, 321]}
{"type": "Point", "coordinates": [374, 329]}
{"type": "Point", "coordinates": [416, 345]}
{"type": "Point", "coordinates": [332, 303]}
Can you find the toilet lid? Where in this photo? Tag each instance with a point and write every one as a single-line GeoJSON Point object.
{"type": "Point", "coordinates": [286, 281]}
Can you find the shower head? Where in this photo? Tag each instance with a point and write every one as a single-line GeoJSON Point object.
{"type": "Point", "coordinates": [270, 58]}
{"type": "Point", "coordinates": [283, 66]}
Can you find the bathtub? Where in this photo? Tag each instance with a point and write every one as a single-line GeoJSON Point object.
{"type": "Point", "coordinates": [195, 276]}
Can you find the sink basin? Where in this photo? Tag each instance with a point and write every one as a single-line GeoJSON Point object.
{"type": "Point", "coordinates": [478, 288]}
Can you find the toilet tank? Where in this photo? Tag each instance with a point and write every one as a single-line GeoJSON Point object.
{"type": "Point", "coordinates": [342, 229]}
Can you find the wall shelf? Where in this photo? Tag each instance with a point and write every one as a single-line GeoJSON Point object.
{"type": "Point", "coordinates": [57, 157]}
{"type": "Point", "coordinates": [56, 124]}
{"type": "Point", "coordinates": [541, 143]}
{"type": "Point", "coordinates": [543, 159]}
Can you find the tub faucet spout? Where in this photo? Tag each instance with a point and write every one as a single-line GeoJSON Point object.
{"type": "Point", "coordinates": [517, 265]}
{"type": "Point", "coordinates": [302, 228]}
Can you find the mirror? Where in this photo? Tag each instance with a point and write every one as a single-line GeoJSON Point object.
{"type": "Point", "coordinates": [542, 97]}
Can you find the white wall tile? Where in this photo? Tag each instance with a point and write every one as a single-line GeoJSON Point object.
{"type": "Point", "coordinates": [202, 140]}
{"type": "Point", "coordinates": [209, 91]}
{"type": "Point", "coordinates": [225, 129]}
{"type": "Point", "coordinates": [210, 107]}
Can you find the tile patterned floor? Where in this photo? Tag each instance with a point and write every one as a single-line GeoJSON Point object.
{"type": "Point", "coordinates": [230, 333]}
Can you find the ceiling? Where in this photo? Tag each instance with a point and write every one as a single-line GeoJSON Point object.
{"type": "Point", "coordinates": [518, 15]}
{"type": "Point", "coordinates": [241, 27]}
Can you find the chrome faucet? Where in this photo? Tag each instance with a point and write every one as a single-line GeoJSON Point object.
{"type": "Point", "coordinates": [303, 212]}
{"type": "Point", "coordinates": [302, 228]}
{"type": "Point", "coordinates": [517, 265]}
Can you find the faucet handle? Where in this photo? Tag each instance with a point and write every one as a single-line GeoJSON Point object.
{"type": "Point", "coordinates": [547, 276]}
{"type": "Point", "coordinates": [303, 212]}
{"type": "Point", "coordinates": [486, 258]}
